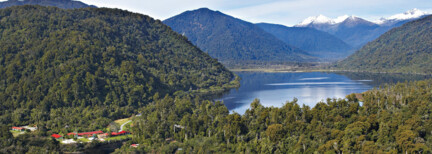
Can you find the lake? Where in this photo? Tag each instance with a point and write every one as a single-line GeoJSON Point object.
{"type": "Point", "coordinates": [274, 89]}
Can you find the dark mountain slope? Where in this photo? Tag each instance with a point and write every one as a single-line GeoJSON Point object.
{"type": "Point", "coordinates": [82, 68]}
{"type": "Point", "coordinates": [406, 49]}
{"type": "Point", "coordinates": [356, 31]}
{"type": "Point", "coordinates": [64, 4]}
{"type": "Point", "coordinates": [315, 42]}
{"type": "Point", "coordinates": [230, 39]}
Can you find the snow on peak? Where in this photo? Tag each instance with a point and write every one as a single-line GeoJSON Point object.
{"type": "Point", "coordinates": [341, 18]}
{"type": "Point", "coordinates": [411, 14]}
{"type": "Point", "coordinates": [321, 19]}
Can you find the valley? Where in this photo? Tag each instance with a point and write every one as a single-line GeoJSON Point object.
{"type": "Point", "coordinates": [104, 77]}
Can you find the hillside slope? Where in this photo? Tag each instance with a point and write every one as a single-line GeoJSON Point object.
{"type": "Point", "coordinates": [64, 4]}
{"type": "Point", "coordinates": [82, 68]}
{"type": "Point", "coordinates": [314, 42]}
{"type": "Point", "coordinates": [406, 49]}
{"type": "Point", "coordinates": [232, 40]}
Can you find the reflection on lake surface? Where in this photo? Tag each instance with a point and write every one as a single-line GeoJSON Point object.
{"type": "Point", "coordinates": [274, 89]}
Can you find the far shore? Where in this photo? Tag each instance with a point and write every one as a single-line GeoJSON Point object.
{"type": "Point", "coordinates": [268, 70]}
{"type": "Point", "coordinates": [299, 70]}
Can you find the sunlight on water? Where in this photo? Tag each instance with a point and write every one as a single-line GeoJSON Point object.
{"type": "Point", "coordinates": [274, 89]}
{"type": "Point", "coordinates": [317, 78]}
{"type": "Point", "coordinates": [311, 83]}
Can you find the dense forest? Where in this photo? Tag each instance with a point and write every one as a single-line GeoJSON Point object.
{"type": "Point", "coordinates": [406, 49]}
{"type": "Point", "coordinates": [233, 41]}
{"type": "Point", "coordinates": [64, 4]}
{"type": "Point", "coordinates": [77, 70]}
{"type": "Point", "coordinates": [394, 118]}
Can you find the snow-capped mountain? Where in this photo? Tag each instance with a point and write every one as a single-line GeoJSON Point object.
{"type": "Point", "coordinates": [357, 31]}
{"type": "Point", "coordinates": [321, 19]}
{"type": "Point", "coordinates": [354, 21]}
{"type": "Point", "coordinates": [408, 15]}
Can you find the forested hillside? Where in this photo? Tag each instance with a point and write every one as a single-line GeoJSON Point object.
{"type": "Point", "coordinates": [312, 41]}
{"type": "Point", "coordinates": [65, 4]}
{"type": "Point", "coordinates": [232, 40]}
{"type": "Point", "coordinates": [394, 119]}
{"type": "Point", "coordinates": [406, 49]}
{"type": "Point", "coordinates": [76, 70]}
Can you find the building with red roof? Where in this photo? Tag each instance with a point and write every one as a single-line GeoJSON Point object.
{"type": "Point", "coordinates": [57, 136]}
{"type": "Point", "coordinates": [134, 145]}
{"type": "Point", "coordinates": [120, 133]}
{"type": "Point", "coordinates": [18, 129]}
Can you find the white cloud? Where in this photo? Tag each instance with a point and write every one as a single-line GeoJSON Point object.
{"type": "Point", "coordinates": [293, 12]}
{"type": "Point", "coordinates": [287, 12]}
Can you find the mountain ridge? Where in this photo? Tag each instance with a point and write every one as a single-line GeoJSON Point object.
{"type": "Point", "coordinates": [94, 64]}
{"type": "Point", "coordinates": [64, 4]}
{"type": "Point", "coordinates": [318, 43]}
{"type": "Point", "coordinates": [231, 39]}
{"type": "Point", "coordinates": [405, 49]}
{"type": "Point", "coordinates": [357, 31]}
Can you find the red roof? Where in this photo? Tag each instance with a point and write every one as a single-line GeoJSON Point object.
{"type": "Point", "coordinates": [86, 133]}
{"type": "Point", "coordinates": [17, 128]}
{"type": "Point", "coordinates": [119, 133]}
{"type": "Point", "coordinates": [56, 135]}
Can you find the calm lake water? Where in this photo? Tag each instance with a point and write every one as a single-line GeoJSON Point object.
{"type": "Point", "coordinates": [274, 89]}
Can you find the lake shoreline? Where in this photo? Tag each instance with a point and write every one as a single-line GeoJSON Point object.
{"type": "Point", "coordinates": [269, 70]}
{"type": "Point", "coordinates": [309, 88]}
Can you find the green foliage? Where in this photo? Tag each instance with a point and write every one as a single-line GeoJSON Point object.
{"type": "Point", "coordinates": [27, 143]}
{"type": "Point", "coordinates": [65, 4]}
{"type": "Point", "coordinates": [78, 70]}
{"type": "Point", "coordinates": [232, 40]}
{"type": "Point", "coordinates": [392, 119]}
{"type": "Point", "coordinates": [406, 49]}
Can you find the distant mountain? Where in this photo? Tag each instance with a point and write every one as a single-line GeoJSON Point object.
{"type": "Point", "coordinates": [322, 23]}
{"type": "Point", "coordinates": [357, 31]}
{"type": "Point", "coordinates": [353, 30]}
{"type": "Point", "coordinates": [315, 42]}
{"type": "Point", "coordinates": [397, 18]}
{"type": "Point", "coordinates": [233, 40]}
{"type": "Point", "coordinates": [65, 4]}
{"type": "Point", "coordinates": [406, 49]}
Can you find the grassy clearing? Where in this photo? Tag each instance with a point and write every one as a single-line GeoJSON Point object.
{"type": "Point", "coordinates": [16, 133]}
{"type": "Point", "coordinates": [121, 121]}
{"type": "Point", "coordinates": [83, 140]}
{"type": "Point", "coordinates": [123, 137]}
{"type": "Point", "coordinates": [127, 126]}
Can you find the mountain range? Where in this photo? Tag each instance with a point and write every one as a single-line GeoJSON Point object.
{"type": "Point", "coordinates": [233, 40]}
{"type": "Point", "coordinates": [357, 31]}
{"type": "Point", "coordinates": [228, 39]}
{"type": "Point", "coordinates": [405, 49]}
{"type": "Point", "coordinates": [315, 42]}
{"type": "Point", "coordinates": [65, 4]}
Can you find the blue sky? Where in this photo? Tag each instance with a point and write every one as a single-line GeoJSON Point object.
{"type": "Point", "coordinates": [287, 12]}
